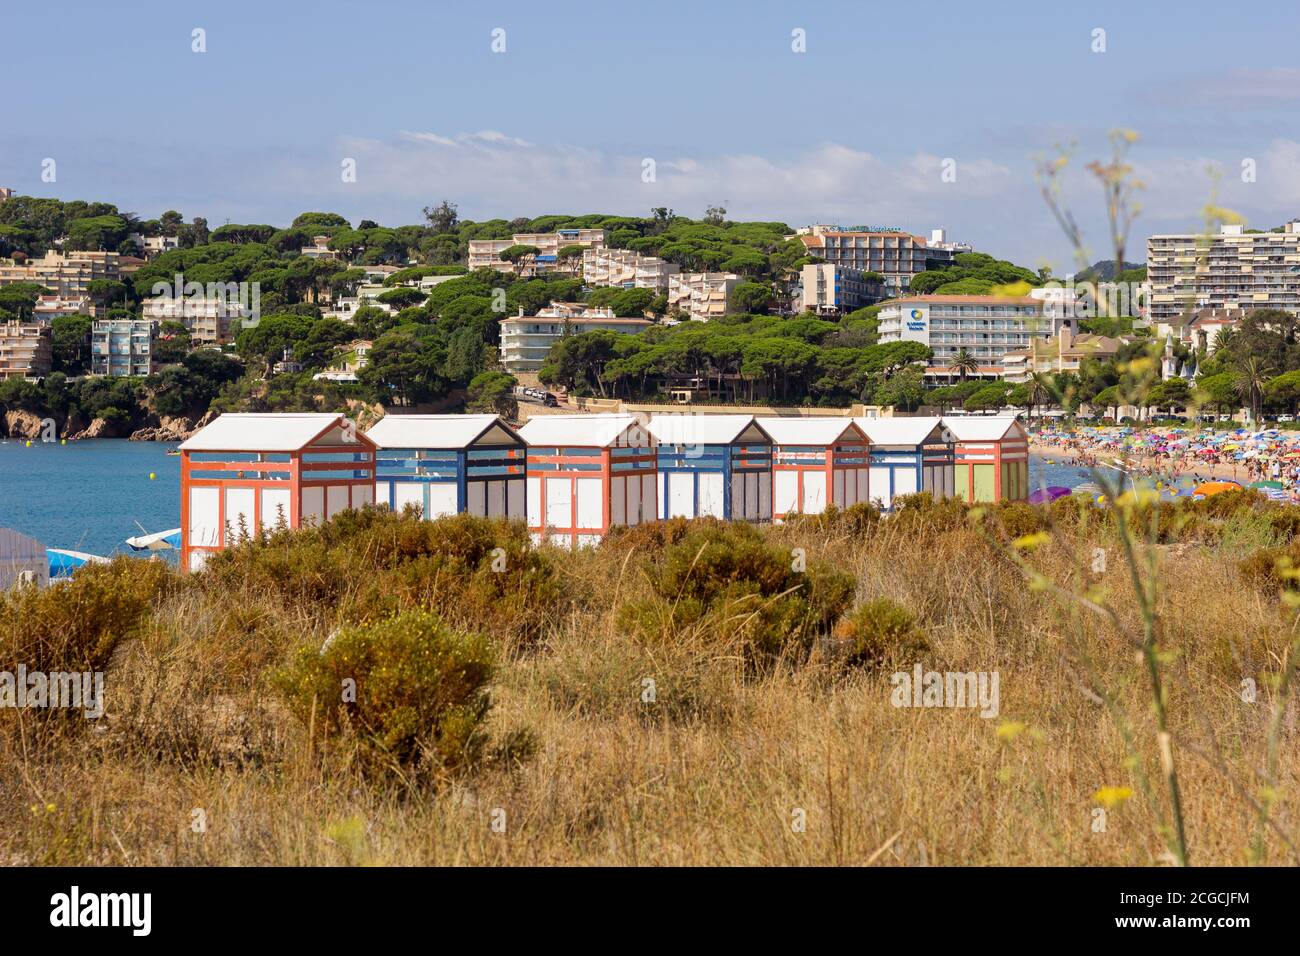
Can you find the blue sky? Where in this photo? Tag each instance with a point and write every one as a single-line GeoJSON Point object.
{"type": "Point", "coordinates": [853, 130]}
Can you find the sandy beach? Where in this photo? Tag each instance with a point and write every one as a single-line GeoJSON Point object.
{"type": "Point", "coordinates": [1142, 464]}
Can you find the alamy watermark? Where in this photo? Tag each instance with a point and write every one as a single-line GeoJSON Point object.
{"type": "Point", "coordinates": [952, 689]}
{"type": "Point", "coordinates": [242, 299]}
{"type": "Point", "coordinates": [73, 690]}
{"type": "Point", "coordinates": [1091, 300]}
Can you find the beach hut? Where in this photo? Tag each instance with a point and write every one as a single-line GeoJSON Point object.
{"type": "Point", "coordinates": [447, 464]}
{"type": "Point", "coordinates": [586, 473]}
{"type": "Point", "coordinates": [246, 473]}
{"type": "Point", "coordinates": [22, 560]}
{"type": "Point", "coordinates": [990, 458]}
{"type": "Point", "coordinates": [908, 455]}
{"type": "Point", "coordinates": [817, 462]}
{"type": "Point", "coordinates": [713, 465]}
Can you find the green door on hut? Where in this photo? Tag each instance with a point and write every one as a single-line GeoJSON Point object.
{"type": "Point", "coordinates": [982, 476]}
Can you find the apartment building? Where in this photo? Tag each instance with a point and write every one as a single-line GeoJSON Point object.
{"type": "Point", "coordinates": [5, 193]}
{"type": "Point", "coordinates": [68, 275]}
{"type": "Point", "coordinates": [154, 246]}
{"type": "Point", "coordinates": [705, 295]}
{"type": "Point", "coordinates": [828, 289]}
{"type": "Point", "coordinates": [50, 307]}
{"type": "Point", "coordinates": [26, 350]}
{"type": "Point", "coordinates": [319, 249]}
{"type": "Point", "coordinates": [345, 307]}
{"type": "Point", "coordinates": [986, 326]}
{"type": "Point", "coordinates": [631, 270]}
{"type": "Point", "coordinates": [151, 247]}
{"type": "Point", "coordinates": [1065, 352]}
{"type": "Point", "coordinates": [1200, 329]}
{"type": "Point", "coordinates": [1232, 270]}
{"type": "Point", "coordinates": [122, 346]}
{"type": "Point", "coordinates": [215, 321]}
{"type": "Point", "coordinates": [938, 243]}
{"type": "Point", "coordinates": [486, 253]}
{"type": "Point", "coordinates": [526, 339]}
{"type": "Point", "coordinates": [896, 255]}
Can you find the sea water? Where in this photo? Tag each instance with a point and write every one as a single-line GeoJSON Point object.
{"type": "Point", "coordinates": [89, 495]}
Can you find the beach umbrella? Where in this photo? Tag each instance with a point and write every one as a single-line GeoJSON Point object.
{"type": "Point", "coordinates": [1216, 487]}
{"type": "Point", "coordinates": [1050, 493]}
{"type": "Point", "coordinates": [63, 562]}
{"type": "Point", "coordinates": [159, 541]}
{"type": "Point", "coordinates": [1265, 484]}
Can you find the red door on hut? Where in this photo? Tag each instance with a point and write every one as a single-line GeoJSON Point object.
{"type": "Point", "coordinates": [244, 474]}
{"type": "Point", "coordinates": [990, 458]}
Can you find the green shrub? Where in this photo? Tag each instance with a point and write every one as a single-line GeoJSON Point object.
{"type": "Point", "coordinates": [1019, 519]}
{"type": "Point", "coordinates": [413, 690]}
{"type": "Point", "coordinates": [1285, 522]}
{"type": "Point", "coordinates": [920, 514]}
{"type": "Point", "coordinates": [653, 537]}
{"type": "Point", "coordinates": [726, 582]}
{"type": "Point", "coordinates": [75, 625]}
{"type": "Point", "coordinates": [857, 520]}
{"type": "Point", "coordinates": [480, 574]}
{"type": "Point", "coordinates": [880, 633]}
{"type": "Point", "coordinates": [1272, 570]}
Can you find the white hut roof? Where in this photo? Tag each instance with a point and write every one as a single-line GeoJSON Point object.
{"type": "Point", "coordinates": [442, 431]}
{"type": "Point", "coordinates": [590, 431]}
{"type": "Point", "coordinates": [898, 431]}
{"type": "Point", "coordinates": [271, 432]}
{"type": "Point", "coordinates": [982, 428]}
{"type": "Point", "coordinates": [822, 430]}
{"type": "Point", "coordinates": [692, 429]}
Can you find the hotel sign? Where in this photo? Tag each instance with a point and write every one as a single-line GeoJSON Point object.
{"type": "Point", "coordinates": [916, 325]}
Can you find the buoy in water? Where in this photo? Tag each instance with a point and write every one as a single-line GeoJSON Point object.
{"type": "Point", "coordinates": [152, 476]}
{"type": "Point", "coordinates": [29, 443]}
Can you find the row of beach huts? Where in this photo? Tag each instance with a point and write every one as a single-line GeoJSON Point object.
{"type": "Point", "coordinates": [573, 477]}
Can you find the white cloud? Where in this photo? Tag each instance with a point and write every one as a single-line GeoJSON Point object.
{"type": "Point", "coordinates": [503, 175]}
{"type": "Point", "coordinates": [464, 139]}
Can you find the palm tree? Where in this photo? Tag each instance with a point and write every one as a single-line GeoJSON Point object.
{"type": "Point", "coordinates": [964, 363]}
{"type": "Point", "coordinates": [1225, 341]}
{"type": "Point", "coordinates": [1249, 378]}
{"type": "Point", "coordinates": [1040, 391]}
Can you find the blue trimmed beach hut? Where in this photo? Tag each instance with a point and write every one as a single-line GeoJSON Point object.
{"type": "Point", "coordinates": [448, 464]}
{"type": "Point", "coordinates": [713, 466]}
{"type": "Point", "coordinates": [908, 455]}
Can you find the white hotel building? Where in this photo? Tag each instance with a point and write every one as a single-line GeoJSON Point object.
{"type": "Point", "coordinates": [526, 339]}
{"type": "Point", "coordinates": [987, 326]}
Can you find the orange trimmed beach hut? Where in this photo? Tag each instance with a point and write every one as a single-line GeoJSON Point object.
{"type": "Point", "coordinates": [247, 473]}
{"type": "Point", "coordinates": [817, 462]}
{"type": "Point", "coordinates": [990, 458]}
{"type": "Point", "coordinates": [587, 473]}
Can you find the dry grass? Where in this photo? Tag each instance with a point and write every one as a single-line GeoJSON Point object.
{"type": "Point", "coordinates": [726, 761]}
